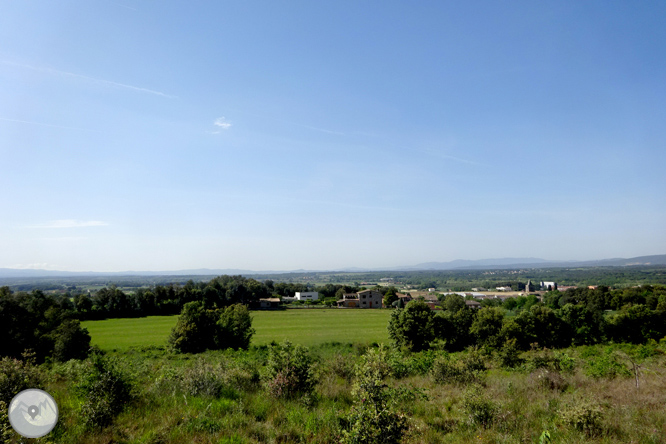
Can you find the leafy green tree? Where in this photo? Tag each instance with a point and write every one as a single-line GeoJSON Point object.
{"type": "Point", "coordinates": [70, 341]}
{"type": "Point", "coordinates": [195, 330]}
{"type": "Point", "coordinates": [413, 326]}
{"type": "Point", "coordinates": [539, 324]}
{"type": "Point", "coordinates": [199, 329]}
{"type": "Point", "coordinates": [637, 324]}
{"type": "Point", "coordinates": [234, 328]}
{"type": "Point", "coordinates": [585, 326]}
{"type": "Point", "coordinates": [487, 326]}
{"type": "Point", "coordinates": [16, 325]}
{"type": "Point", "coordinates": [454, 303]}
{"type": "Point", "coordinates": [453, 327]}
{"type": "Point", "coordinates": [510, 303]}
{"type": "Point", "coordinates": [389, 299]}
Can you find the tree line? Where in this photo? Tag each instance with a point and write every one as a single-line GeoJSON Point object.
{"type": "Point", "coordinates": [42, 325]}
{"type": "Point", "coordinates": [574, 317]}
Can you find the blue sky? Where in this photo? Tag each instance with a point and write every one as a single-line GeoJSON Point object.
{"type": "Point", "coordinates": [164, 135]}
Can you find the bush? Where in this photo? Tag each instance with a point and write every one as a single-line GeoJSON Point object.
{"type": "Point", "coordinates": [556, 361]}
{"type": "Point", "coordinates": [465, 370]}
{"type": "Point", "coordinates": [606, 365]}
{"type": "Point", "coordinates": [584, 416]}
{"type": "Point", "coordinates": [105, 391]}
{"type": "Point", "coordinates": [509, 354]}
{"type": "Point", "coordinates": [342, 366]}
{"type": "Point", "coordinates": [16, 376]}
{"type": "Point", "coordinates": [373, 418]}
{"type": "Point", "coordinates": [289, 371]}
{"type": "Point", "coordinates": [421, 363]}
{"type": "Point", "coordinates": [202, 379]}
{"type": "Point", "coordinates": [481, 410]}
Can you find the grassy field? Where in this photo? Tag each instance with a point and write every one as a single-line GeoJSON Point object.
{"type": "Point", "coordinates": [302, 326]}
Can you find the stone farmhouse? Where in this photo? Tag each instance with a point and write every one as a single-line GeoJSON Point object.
{"type": "Point", "coordinates": [362, 299]}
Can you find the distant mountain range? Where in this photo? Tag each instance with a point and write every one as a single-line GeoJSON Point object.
{"type": "Point", "coordinates": [503, 263]}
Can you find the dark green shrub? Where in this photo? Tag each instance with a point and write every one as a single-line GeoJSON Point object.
{"type": "Point", "coordinates": [289, 371]}
{"type": "Point", "coordinates": [413, 326]}
{"type": "Point", "coordinates": [509, 354]}
{"type": "Point", "coordinates": [234, 328]}
{"type": "Point", "coordinates": [105, 390]}
{"type": "Point", "coordinates": [70, 341]}
{"type": "Point", "coordinates": [16, 376]}
{"type": "Point", "coordinates": [421, 363]}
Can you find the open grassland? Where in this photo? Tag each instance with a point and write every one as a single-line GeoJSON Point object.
{"type": "Point", "coordinates": [300, 326]}
{"type": "Point", "coordinates": [579, 395]}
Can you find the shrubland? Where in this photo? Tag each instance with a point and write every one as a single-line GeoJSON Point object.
{"type": "Point", "coordinates": [358, 393]}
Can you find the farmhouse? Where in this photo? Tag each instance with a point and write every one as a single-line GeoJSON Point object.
{"type": "Point", "coordinates": [404, 297]}
{"type": "Point", "coordinates": [362, 299]}
{"type": "Point", "coordinates": [268, 303]}
{"type": "Point", "coordinates": [472, 304]}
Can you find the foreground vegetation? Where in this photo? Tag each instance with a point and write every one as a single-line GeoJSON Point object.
{"type": "Point", "coordinates": [348, 392]}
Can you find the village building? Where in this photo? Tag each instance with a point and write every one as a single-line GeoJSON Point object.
{"type": "Point", "coordinates": [268, 303]}
{"type": "Point", "coordinates": [306, 296]}
{"type": "Point", "coordinates": [549, 285]}
{"type": "Point", "coordinates": [362, 299]}
{"type": "Point", "coordinates": [473, 304]}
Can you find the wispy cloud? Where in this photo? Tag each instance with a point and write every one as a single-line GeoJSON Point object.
{"type": "Point", "coordinates": [222, 123]}
{"type": "Point", "coordinates": [44, 124]}
{"type": "Point", "coordinates": [87, 78]}
{"type": "Point", "coordinates": [71, 223]}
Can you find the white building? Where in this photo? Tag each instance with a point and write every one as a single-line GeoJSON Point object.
{"type": "Point", "coordinates": [306, 296]}
{"type": "Point", "coordinates": [549, 285]}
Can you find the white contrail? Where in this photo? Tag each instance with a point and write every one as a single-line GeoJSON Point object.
{"type": "Point", "coordinates": [91, 79]}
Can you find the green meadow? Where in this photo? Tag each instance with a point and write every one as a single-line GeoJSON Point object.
{"type": "Point", "coordinates": [300, 326]}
